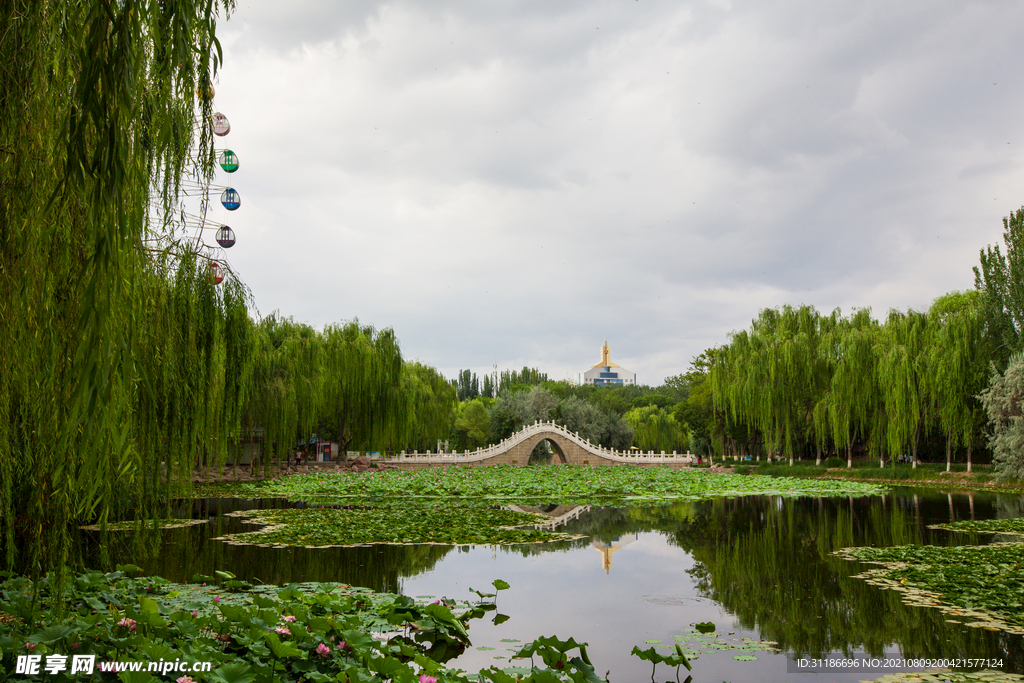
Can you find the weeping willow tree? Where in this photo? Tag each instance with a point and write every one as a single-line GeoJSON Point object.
{"type": "Point", "coordinates": [363, 366]}
{"type": "Point", "coordinates": [656, 429]}
{"type": "Point", "coordinates": [905, 374]}
{"type": "Point", "coordinates": [836, 383]}
{"type": "Point", "coordinates": [97, 116]}
{"type": "Point", "coordinates": [774, 375]}
{"type": "Point", "coordinates": [284, 396]}
{"type": "Point", "coordinates": [959, 365]}
{"type": "Point", "coordinates": [426, 405]}
{"type": "Point", "coordinates": [348, 381]}
{"type": "Point", "coordinates": [848, 401]}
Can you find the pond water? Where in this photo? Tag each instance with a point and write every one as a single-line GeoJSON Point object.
{"type": "Point", "coordinates": [758, 567]}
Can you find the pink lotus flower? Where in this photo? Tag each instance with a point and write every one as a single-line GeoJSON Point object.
{"type": "Point", "coordinates": [282, 631]}
{"type": "Point", "coordinates": [74, 646]}
{"type": "Point", "coordinates": [289, 618]}
{"type": "Point", "coordinates": [424, 678]}
{"type": "Point", "coordinates": [30, 646]}
{"type": "Point", "coordinates": [194, 614]}
{"type": "Point", "coordinates": [130, 623]}
{"type": "Point", "coordinates": [216, 598]}
{"type": "Point", "coordinates": [323, 650]}
{"type": "Point", "coordinates": [204, 583]}
{"type": "Point", "coordinates": [185, 679]}
{"type": "Point", "coordinates": [342, 645]}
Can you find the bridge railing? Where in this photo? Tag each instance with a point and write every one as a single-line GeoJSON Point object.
{"type": "Point", "coordinates": [538, 427]}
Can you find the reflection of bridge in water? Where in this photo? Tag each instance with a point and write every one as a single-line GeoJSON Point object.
{"type": "Point", "coordinates": [558, 515]}
{"type": "Point", "coordinates": [569, 447]}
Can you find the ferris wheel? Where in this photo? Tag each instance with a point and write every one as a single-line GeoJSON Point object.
{"type": "Point", "coordinates": [190, 214]}
{"type": "Point", "coordinates": [212, 236]}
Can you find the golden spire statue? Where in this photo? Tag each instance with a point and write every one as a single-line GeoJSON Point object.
{"type": "Point", "coordinates": [606, 357]}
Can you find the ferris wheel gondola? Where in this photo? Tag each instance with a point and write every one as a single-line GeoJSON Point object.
{"type": "Point", "coordinates": [228, 161]}
{"type": "Point", "coordinates": [230, 199]}
{"type": "Point", "coordinates": [215, 271]}
{"type": "Point", "coordinates": [225, 237]}
{"type": "Point", "coordinates": [221, 125]}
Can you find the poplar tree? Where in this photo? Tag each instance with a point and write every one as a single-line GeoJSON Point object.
{"type": "Point", "coordinates": [1000, 278]}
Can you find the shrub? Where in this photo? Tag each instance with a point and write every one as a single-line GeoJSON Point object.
{"type": "Point", "coordinates": [834, 461]}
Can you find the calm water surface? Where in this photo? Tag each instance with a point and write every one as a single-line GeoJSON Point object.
{"type": "Point", "coordinates": [758, 567]}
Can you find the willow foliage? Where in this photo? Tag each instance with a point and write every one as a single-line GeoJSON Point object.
{"type": "Point", "coordinates": [655, 429]}
{"type": "Point", "coordinates": [123, 368]}
{"type": "Point", "coordinates": [97, 116]}
{"type": "Point", "coordinates": [348, 382]}
{"type": "Point", "coordinates": [774, 375]}
{"type": "Point", "coordinates": [805, 381]}
{"type": "Point", "coordinates": [904, 377]}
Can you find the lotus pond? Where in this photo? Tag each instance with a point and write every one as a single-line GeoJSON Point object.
{"type": "Point", "coordinates": [746, 585]}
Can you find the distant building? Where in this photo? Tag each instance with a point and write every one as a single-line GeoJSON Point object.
{"type": "Point", "coordinates": [606, 548]}
{"type": "Point", "coordinates": [606, 372]}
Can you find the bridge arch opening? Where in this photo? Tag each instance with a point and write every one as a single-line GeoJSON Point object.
{"type": "Point", "coordinates": [547, 452]}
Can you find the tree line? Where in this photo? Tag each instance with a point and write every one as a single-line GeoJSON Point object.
{"type": "Point", "coordinates": [802, 383]}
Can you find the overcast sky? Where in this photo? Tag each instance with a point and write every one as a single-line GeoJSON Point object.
{"type": "Point", "coordinates": [515, 181]}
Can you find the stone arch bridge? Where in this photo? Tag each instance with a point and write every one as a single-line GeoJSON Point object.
{"type": "Point", "coordinates": [569, 447]}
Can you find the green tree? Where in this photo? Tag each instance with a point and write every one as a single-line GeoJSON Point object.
{"type": "Point", "coordinates": [905, 375]}
{"type": "Point", "coordinates": [467, 385]}
{"type": "Point", "coordinates": [425, 407]}
{"type": "Point", "coordinates": [1004, 403]}
{"type": "Point", "coordinates": [960, 362]}
{"type": "Point", "coordinates": [852, 393]}
{"type": "Point", "coordinates": [659, 400]}
{"type": "Point", "coordinates": [1000, 278]}
{"type": "Point", "coordinates": [774, 375]}
{"type": "Point", "coordinates": [590, 422]}
{"type": "Point", "coordinates": [473, 424]}
{"type": "Point", "coordinates": [676, 387]}
{"type": "Point", "coordinates": [697, 412]}
{"type": "Point", "coordinates": [655, 429]}
{"type": "Point", "coordinates": [523, 408]}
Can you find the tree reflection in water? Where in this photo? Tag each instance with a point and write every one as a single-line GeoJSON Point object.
{"type": "Point", "coordinates": [768, 561]}
{"type": "Point", "coordinates": [764, 559]}
{"type": "Point", "coordinates": [179, 554]}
